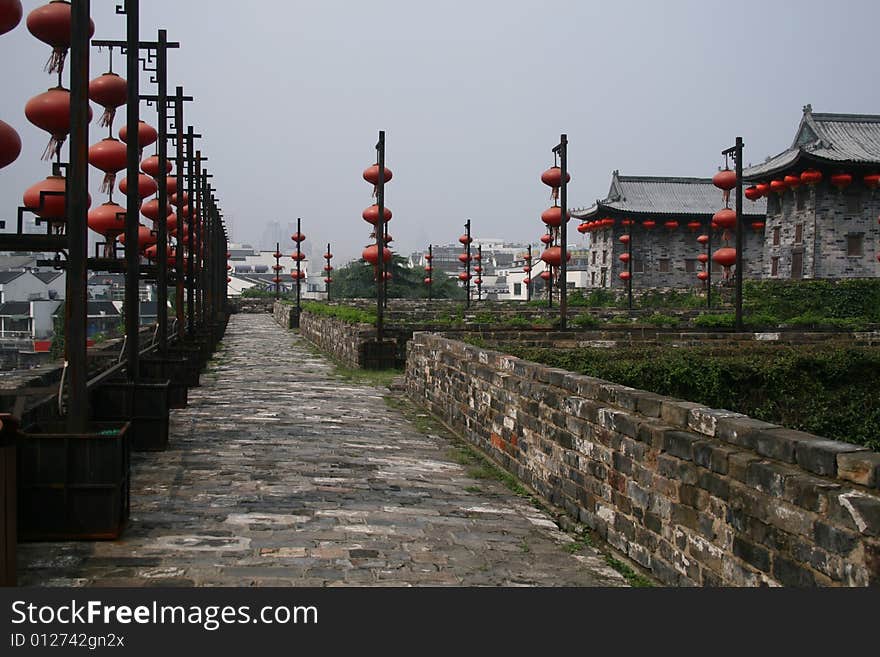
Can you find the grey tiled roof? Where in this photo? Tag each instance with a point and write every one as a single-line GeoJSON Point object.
{"type": "Point", "coordinates": [47, 276]}
{"type": "Point", "coordinates": [15, 309]}
{"type": "Point", "coordinates": [8, 276]}
{"type": "Point", "coordinates": [664, 196]}
{"type": "Point", "coordinates": [828, 138]}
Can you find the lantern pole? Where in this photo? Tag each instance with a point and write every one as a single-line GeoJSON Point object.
{"type": "Point", "coordinates": [380, 237]}
{"type": "Point", "coordinates": [133, 201]}
{"type": "Point", "coordinates": [430, 273]}
{"type": "Point", "coordinates": [191, 177]}
{"type": "Point", "coordinates": [562, 151]}
{"type": "Point", "coordinates": [709, 265]}
{"type": "Point", "coordinates": [328, 257]}
{"type": "Point", "coordinates": [467, 264]}
{"type": "Point", "coordinates": [529, 285]}
{"type": "Point", "coordinates": [162, 223]}
{"type": "Point", "coordinates": [277, 270]}
{"type": "Point", "coordinates": [77, 222]}
{"type": "Point", "coordinates": [298, 261]}
{"type": "Point", "coordinates": [736, 152]}
{"type": "Point", "coordinates": [181, 189]}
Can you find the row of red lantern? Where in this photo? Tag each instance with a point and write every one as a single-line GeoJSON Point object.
{"type": "Point", "coordinates": [429, 269]}
{"type": "Point", "coordinates": [371, 216]}
{"type": "Point", "coordinates": [465, 240]}
{"type": "Point", "coordinates": [10, 142]}
{"type": "Point", "coordinates": [809, 177]}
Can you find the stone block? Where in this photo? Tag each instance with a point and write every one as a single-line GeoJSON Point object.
{"type": "Point", "coordinates": [834, 539]}
{"type": "Point", "coordinates": [681, 444]}
{"type": "Point", "coordinates": [819, 456]}
{"type": "Point", "coordinates": [767, 477]}
{"type": "Point", "coordinates": [740, 431]}
{"type": "Point", "coordinates": [676, 412]}
{"type": "Point", "coordinates": [791, 573]}
{"type": "Point", "coordinates": [864, 510]}
{"type": "Point", "coordinates": [712, 456]}
{"type": "Point", "coordinates": [860, 467]}
{"type": "Point", "coordinates": [705, 420]}
{"type": "Point", "coordinates": [781, 443]}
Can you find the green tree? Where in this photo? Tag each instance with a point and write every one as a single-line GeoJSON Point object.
{"type": "Point", "coordinates": [357, 280]}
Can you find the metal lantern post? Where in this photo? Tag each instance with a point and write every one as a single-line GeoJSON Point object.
{"type": "Point", "coordinates": [736, 152]}
{"type": "Point", "coordinates": [328, 271]}
{"type": "Point", "coordinates": [277, 270]}
{"type": "Point", "coordinates": [429, 270]}
{"type": "Point", "coordinates": [467, 262]}
{"type": "Point", "coordinates": [528, 279]}
{"type": "Point", "coordinates": [298, 238]}
{"type": "Point", "coordinates": [562, 150]}
{"type": "Point", "coordinates": [381, 227]}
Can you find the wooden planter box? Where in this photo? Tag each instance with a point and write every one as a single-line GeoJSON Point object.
{"type": "Point", "coordinates": [73, 486]}
{"type": "Point", "coordinates": [181, 372]}
{"type": "Point", "coordinates": [145, 405]}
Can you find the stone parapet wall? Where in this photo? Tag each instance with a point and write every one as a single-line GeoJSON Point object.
{"type": "Point", "coordinates": [696, 496]}
{"type": "Point", "coordinates": [251, 305]}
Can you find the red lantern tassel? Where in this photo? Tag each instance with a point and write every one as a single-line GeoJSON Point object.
{"type": "Point", "coordinates": [107, 117]}
{"type": "Point", "coordinates": [108, 183]}
{"type": "Point", "coordinates": [554, 193]}
{"type": "Point", "coordinates": [52, 148]}
{"type": "Point", "coordinates": [725, 194]}
{"type": "Point", "coordinates": [56, 61]}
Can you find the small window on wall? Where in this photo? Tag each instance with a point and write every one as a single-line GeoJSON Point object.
{"type": "Point", "coordinates": [797, 264]}
{"type": "Point", "coordinates": [517, 287]}
{"type": "Point", "coordinates": [638, 266]}
{"type": "Point", "coordinates": [801, 196]}
{"type": "Point", "coordinates": [776, 233]}
{"type": "Point", "coordinates": [690, 265]}
{"type": "Point", "coordinates": [664, 266]}
{"type": "Point", "coordinates": [773, 204]}
{"type": "Point", "coordinates": [593, 254]}
{"type": "Point", "coordinates": [592, 277]}
{"type": "Point", "coordinates": [798, 233]}
{"type": "Point", "coordinates": [604, 257]}
{"type": "Point", "coordinates": [855, 245]}
{"type": "Point", "coordinates": [854, 203]}
{"type": "Point", "coordinates": [774, 266]}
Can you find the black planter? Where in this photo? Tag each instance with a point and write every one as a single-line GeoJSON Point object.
{"type": "Point", "coordinates": [144, 404]}
{"type": "Point", "coordinates": [8, 478]}
{"type": "Point", "coordinates": [73, 486]}
{"type": "Point", "coordinates": [181, 371]}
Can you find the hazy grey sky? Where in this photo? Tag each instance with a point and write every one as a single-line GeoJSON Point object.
{"type": "Point", "coordinates": [473, 95]}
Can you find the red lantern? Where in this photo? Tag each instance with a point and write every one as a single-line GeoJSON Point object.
{"type": "Point", "coordinates": [329, 279]}
{"type": "Point", "coordinates": [371, 174]}
{"type": "Point", "coordinates": [526, 281]}
{"type": "Point", "coordinates": [109, 155]}
{"type": "Point", "coordinates": [298, 237]}
{"type": "Point", "coordinates": [777, 186]}
{"type": "Point", "coordinates": [464, 276]}
{"type": "Point", "coordinates": [527, 269]}
{"type": "Point", "coordinates": [702, 257]}
{"type": "Point", "coordinates": [671, 224]}
{"type": "Point", "coordinates": [725, 218]}
{"type": "Point", "coordinates": [150, 210]}
{"type": "Point", "coordinates": [51, 24]}
{"type": "Point", "coordinates": [627, 222]}
{"type": "Point", "coordinates": [171, 188]}
{"type": "Point", "coordinates": [623, 257]}
{"type": "Point", "coordinates": [371, 214]}
{"type": "Point", "coordinates": [607, 222]}
{"type": "Point", "coordinates": [757, 226]}
{"type": "Point", "coordinates": [175, 198]}
{"type": "Point", "coordinates": [107, 220]}
{"type": "Point", "coordinates": [624, 275]}
{"type": "Point", "coordinates": [552, 216]}
{"type": "Point", "coordinates": [546, 238]}
{"type": "Point", "coordinates": [427, 281]}
{"type": "Point", "coordinates": [478, 281]}
{"type": "Point", "coordinates": [872, 180]}
{"type": "Point", "coordinates": [328, 268]}
{"type": "Point", "coordinates": [703, 239]}
{"type": "Point", "coordinates": [388, 239]}
{"type": "Point", "coordinates": [146, 134]}
{"type": "Point", "coordinates": [841, 180]}
{"type": "Point", "coordinates": [46, 198]}
{"type": "Point", "coordinates": [298, 255]}
{"type": "Point", "coordinates": [10, 144]}
{"type": "Point", "coordinates": [811, 177]}
{"type": "Point", "coordinates": [150, 166]}
{"type": "Point", "coordinates": [109, 91]}
{"type": "Point", "coordinates": [528, 256]}
{"type": "Point", "coordinates": [553, 256]}
{"type": "Point", "coordinates": [429, 257]}
{"type": "Point", "coordinates": [277, 254]}
{"type": "Point", "coordinates": [277, 267]}
{"type": "Point", "coordinates": [429, 269]}
{"type": "Point", "coordinates": [228, 280]}
{"type": "Point", "coordinates": [763, 188]}
{"type": "Point", "coordinates": [371, 254]}
{"type": "Point", "coordinates": [478, 269]}
{"type": "Point", "coordinates": [725, 256]}
{"type": "Point", "coordinates": [463, 258]}
{"type": "Point", "coordinates": [583, 228]}
{"type": "Point", "coordinates": [545, 275]}
{"type": "Point", "coordinates": [10, 15]}
{"type": "Point", "coordinates": [152, 251]}
{"type": "Point", "coordinates": [465, 239]}
{"type": "Point", "coordinates": [649, 224]}
{"type": "Point", "coordinates": [725, 180]}
{"type": "Point", "coordinates": [50, 111]}
{"type": "Point", "coordinates": [624, 239]}
{"type": "Point", "coordinates": [703, 275]}
{"type": "Point", "coordinates": [694, 226]}
{"type": "Point", "coordinates": [297, 275]}
{"type": "Point", "coordinates": [792, 182]}
{"type": "Point", "coordinates": [145, 237]}
{"type": "Point", "coordinates": [552, 177]}
{"type": "Point", "coordinates": [146, 186]}
{"type": "Point", "coordinates": [752, 193]}
{"type": "Point", "coordinates": [276, 280]}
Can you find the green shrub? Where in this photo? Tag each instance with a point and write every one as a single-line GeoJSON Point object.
{"type": "Point", "coordinates": [344, 313]}
{"type": "Point", "coordinates": [585, 320]}
{"type": "Point", "coordinates": [722, 321]}
{"type": "Point", "coordinates": [517, 321]}
{"type": "Point", "coordinates": [662, 321]}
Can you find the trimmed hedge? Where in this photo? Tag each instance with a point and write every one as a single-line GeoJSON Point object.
{"type": "Point", "coordinates": [345, 313]}
{"type": "Point", "coordinates": [831, 392]}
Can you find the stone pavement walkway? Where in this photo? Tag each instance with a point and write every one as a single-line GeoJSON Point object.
{"type": "Point", "coordinates": [281, 473]}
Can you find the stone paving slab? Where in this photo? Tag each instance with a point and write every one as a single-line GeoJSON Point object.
{"type": "Point", "coordinates": [279, 473]}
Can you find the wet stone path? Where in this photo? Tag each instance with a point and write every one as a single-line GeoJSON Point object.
{"type": "Point", "coordinates": [281, 473]}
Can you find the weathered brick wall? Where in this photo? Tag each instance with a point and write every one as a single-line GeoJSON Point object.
{"type": "Point", "coordinates": [284, 314]}
{"type": "Point", "coordinates": [697, 496]}
{"type": "Point", "coordinates": [251, 305]}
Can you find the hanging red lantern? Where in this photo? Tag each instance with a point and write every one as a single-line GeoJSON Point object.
{"type": "Point", "coordinates": [478, 281]}
{"type": "Point", "coordinates": [277, 254]}
{"type": "Point", "coordinates": [465, 239]}
{"type": "Point", "coordinates": [552, 216]}
{"type": "Point", "coordinates": [145, 237]}
{"type": "Point", "coordinates": [478, 269]}
{"type": "Point", "coordinates": [757, 226]}
{"type": "Point", "coordinates": [527, 269]}
{"type": "Point", "coordinates": [50, 111]}
{"type": "Point", "coordinates": [146, 135]}
{"type": "Point", "coordinates": [298, 237]}
{"type": "Point", "coordinates": [703, 275]}
{"type": "Point", "coordinates": [624, 257]}
{"type": "Point", "coordinates": [763, 188]}
{"type": "Point", "coordinates": [277, 267]}
{"type": "Point", "coordinates": [545, 275]}
{"type": "Point", "coordinates": [872, 180]}
{"type": "Point", "coordinates": [841, 180]}
{"type": "Point", "coordinates": [110, 92]}
{"type": "Point", "coordinates": [429, 257]}
{"type": "Point", "coordinates": [777, 186]}
{"type": "Point", "coordinates": [583, 227]}
{"type": "Point", "coordinates": [109, 155]}
{"type": "Point", "coordinates": [546, 238]}
{"type": "Point", "coordinates": [725, 180]}
{"type": "Point", "coordinates": [725, 256]}
{"type": "Point", "coordinates": [552, 177]}
{"type": "Point", "coordinates": [752, 193]}
{"type": "Point", "coordinates": [298, 255]}
{"type": "Point", "coordinates": [10, 144]}
{"type": "Point", "coordinates": [624, 239]}
{"type": "Point", "coordinates": [526, 281]}
{"type": "Point", "coordinates": [527, 256]}
{"type": "Point", "coordinates": [627, 222]}
{"type": "Point", "coordinates": [228, 280]}
{"type": "Point", "coordinates": [371, 174]}
{"type": "Point", "coordinates": [607, 222]}
{"type": "Point", "coordinates": [624, 275]}
{"type": "Point", "coordinates": [725, 218]}
{"type": "Point", "coordinates": [175, 198]}
{"type": "Point", "coordinates": [388, 239]}
{"type": "Point", "coordinates": [672, 224]}
{"type": "Point", "coordinates": [152, 251]}
{"type": "Point", "coordinates": [107, 220]}
{"type": "Point", "coordinates": [146, 186]}
{"type": "Point", "coordinates": [464, 276]}
{"type": "Point", "coordinates": [427, 281]}
{"type": "Point", "coordinates": [47, 198]}
{"type": "Point", "coordinates": [150, 166]}
{"type": "Point", "coordinates": [371, 254]}
{"type": "Point", "coordinates": [463, 258]}
{"type": "Point", "coordinates": [792, 182]}
{"type": "Point", "coordinates": [51, 24]}
{"type": "Point", "coordinates": [171, 187]}
{"type": "Point", "coordinates": [297, 275]}
{"type": "Point", "coordinates": [553, 256]}
{"type": "Point", "coordinates": [703, 239]}
{"type": "Point", "coordinates": [276, 280]}
{"type": "Point", "coordinates": [811, 177]}
{"type": "Point", "coordinates": [648, 224]}
{"type": "Point", "coordinates": [371, 214]}
{"type": "Point", "coordinates": [328, 268]}
{"type": "Point", "coordinates": [694, 226]}
{"type": "Point", "coordinates": [329, 279]}
{"type": "Point", "coordinates": [703, 258]}
{"type": "Point", "coordinates": [150, 209]}
{"type": "Point", "coordinates": [10, 15]}
{"type": "Point", "coordinates": [429, 269]}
